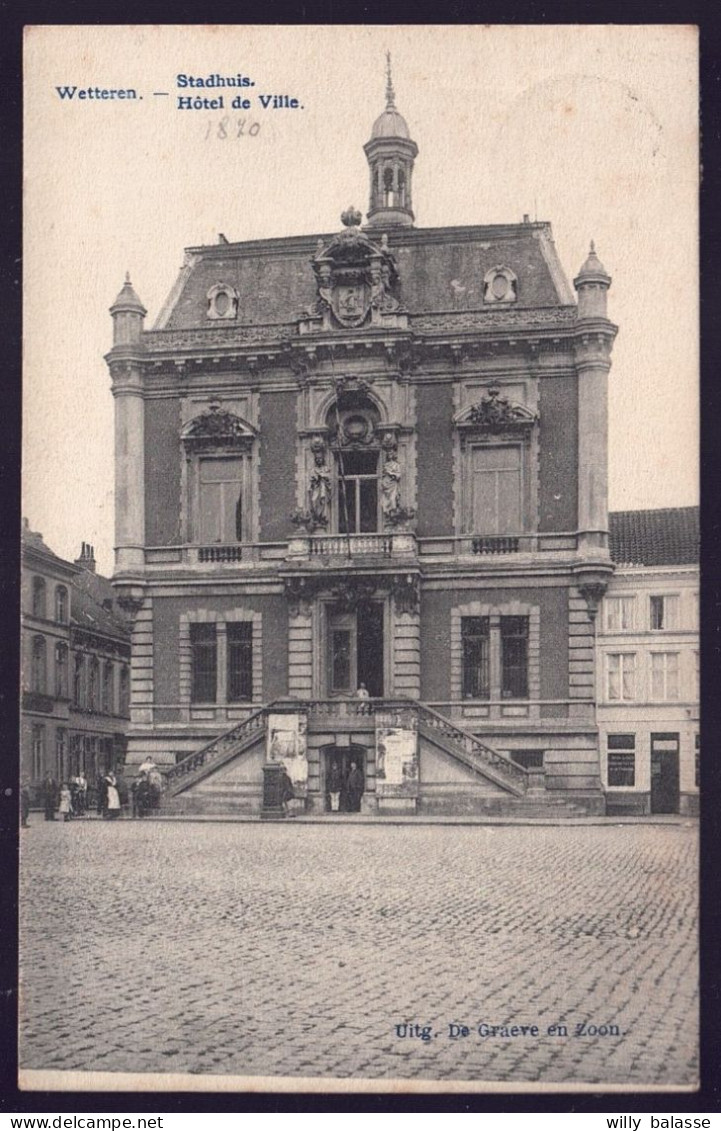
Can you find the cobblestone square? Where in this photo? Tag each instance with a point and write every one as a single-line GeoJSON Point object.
{"type": "Point", "coordinates": [297, 950]}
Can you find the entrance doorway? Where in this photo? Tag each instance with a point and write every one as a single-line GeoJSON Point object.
{"type": "Point", "coordinates": [337, 764]}
{"type": "Point", "coordinates": [355, 650]}
{"type": "Point", "coordinates": [665, 786]}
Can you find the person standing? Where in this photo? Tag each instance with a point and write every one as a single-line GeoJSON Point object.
{"type": "Point", "coordinates": [66, 801]}
{"type": "Point", "coordinates": [355, 785]}
{"type": "Point", "coordinates": [112, 797]}
{"type": "Point", "coordinates": [333, 785]}
{"type": "Point", "coordinates": [50, 797]}
{"type": "Point", "coordinates": [24, 804]}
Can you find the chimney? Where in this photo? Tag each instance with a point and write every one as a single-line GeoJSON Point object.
{"type": "Point", "coordinates": [87, 557]}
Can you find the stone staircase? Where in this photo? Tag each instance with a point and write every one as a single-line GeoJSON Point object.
{"type": "Point", "coordinates": [215, 754]}
{"type": "Point", "coordinates": [498, 785]}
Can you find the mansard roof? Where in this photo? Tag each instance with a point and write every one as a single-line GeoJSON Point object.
{"type": "Point", "coordinates": [441, 269]}
{"type": "Point", "coordinates": [655, 537]}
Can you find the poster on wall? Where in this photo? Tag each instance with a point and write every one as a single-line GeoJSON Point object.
{"type": "Point", "coordinates": [286, 743]}
{"type": "Point", "coordinates": [396, 753]}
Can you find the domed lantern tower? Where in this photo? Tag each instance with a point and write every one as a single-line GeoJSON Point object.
{"type": "Point", "coordinates": [390, 153]}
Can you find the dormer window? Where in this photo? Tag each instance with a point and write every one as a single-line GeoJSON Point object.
{"type": "Point", "coordinates": [500, 285]}
{"type": "Point", "coordinates": [222, 302]}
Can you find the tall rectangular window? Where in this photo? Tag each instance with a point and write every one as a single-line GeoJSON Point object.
{"type": "Point", "coordinates": [340, 658]}
{"type": "Point", "coordinates": [357, 492]}
{"type": "Point", "coordinates": [496, 490]}
{"type": "Point", "coordinates": [621, 676]}
{"type": "Point", "coordinates": [664, 612]}
{"type": "Point", "coordinates": [514, 657]}
{"type": "Point", "coordinates": [61, 671]}
{"type": "Point", "coordinates": [664, 675]}
{"type": "Point", "coordinates": [475, 642]}
{"type": "Point", "coordinates": [221, 501]}
{"type": "Point", "coordinates": [240, 661]}
{"type": "Point", "coordinates": [124, 692]}
{"type": "Point", "coordinates": [620, 613]}
{"type": "Point", "coordinates": [204, 663]}
{"type": "Point", "coordinates": [38, 750]}
{"type": "Point", "coordinates": [108, 699]}
{"type": "Point", "coordinates": [621, 754]}
{"type": "Point", "coordinates": [78, 680]}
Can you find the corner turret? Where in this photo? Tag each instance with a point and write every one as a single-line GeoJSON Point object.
{"type": "Point", "coordinates": [128, 314]}
{"type": "Point", "coordinates": [592, 283]}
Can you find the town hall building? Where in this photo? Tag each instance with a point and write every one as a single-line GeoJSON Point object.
{"type": "Point", "coordinates": [361, 512]}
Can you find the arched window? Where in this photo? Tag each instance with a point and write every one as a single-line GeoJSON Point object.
{"type": "Point", "coordinates": [124, 705]}
{"type": "Point", "coordinates": [39, 665]}
{"type": "Point", "coordinates": [61, 671]}
{"type": "Point", "coordinates": [401, 187]}
{"type": "Point", "coordinates": [388, 185]}
{"type": "Point", "coordinates": [61, 605]}
{"type": "Point", "coordinates": [39, 609]}
{"type": "Point", "coordinates": [93, 672]}
{"type": "Point", "coordinates": [108, 699]}
{"type": "Point", "coordinates": [79, 680]}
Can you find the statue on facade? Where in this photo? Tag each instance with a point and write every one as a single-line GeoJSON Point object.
{"type": "Point", "coordinates": [391, 485]}
{"type": "Point", "coordinates": [319, 489]}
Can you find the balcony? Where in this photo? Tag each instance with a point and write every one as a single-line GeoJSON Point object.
{"type": "Point", "coordinates": [354, 547]}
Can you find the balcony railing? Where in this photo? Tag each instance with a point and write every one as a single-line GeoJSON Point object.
{"type": "Point", "coordinates": [332, 545]}
{"type": "Point", "coordinates": [482, 545]}
{"type": "Point", "coordinates": [217, 553]}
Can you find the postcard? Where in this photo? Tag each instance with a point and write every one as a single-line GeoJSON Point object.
{"type": "Point", "coordinates": [360, 559]}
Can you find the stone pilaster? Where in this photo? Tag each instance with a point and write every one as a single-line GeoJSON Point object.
{"type": "Point", "coordinates": [581, 657]}
{"type": "Point", "coordinates": [406, 655]}
{"type": "Point", "coordinates": [300, 653]}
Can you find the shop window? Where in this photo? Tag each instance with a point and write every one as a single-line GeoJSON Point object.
{"type": "Point", "coordinates": [514, 657]}
{"type": "Point", "coordinates": [664, 676]}
{"type": "Point", "coordinates": [621, 676]}
{"type": "Point", "coordinates": [61, 671]}
{"type": "Point", "coordinates": [38, 750]}
{"type": "Point", "coordinates": [240, 661]}
{"type": "Point", "coordinates": [620, 613]}
{"type": "Point", "coordinates": [39, 606]}
{"type": "Point", "coordinates": [61, 605]}
{"type": "Point", "coordinates": [621, 755]}
{"type": "Point", "coordinates": [38, 675]}
{"type": "Point", "coordinates": [204, 663]}
{"type": "Point", "coordinates": [475, 641]}
{"type": "Point", "coordinates": [664, 612]}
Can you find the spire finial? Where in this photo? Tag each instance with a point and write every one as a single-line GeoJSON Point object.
{"type": "Point", "coordinates": [127, 277]}
{"type": "Point", "coordinates": [593, 247]}
{"type": "Point", "coordinates": [390, 93]}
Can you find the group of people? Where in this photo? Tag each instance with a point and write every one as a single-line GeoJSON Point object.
{"type": "Point", "coordinates": [146, 789]}
{"type": "Point", "coordinates": [75, 798]}
{"type": "Point", "coordinates": [345, 792]}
